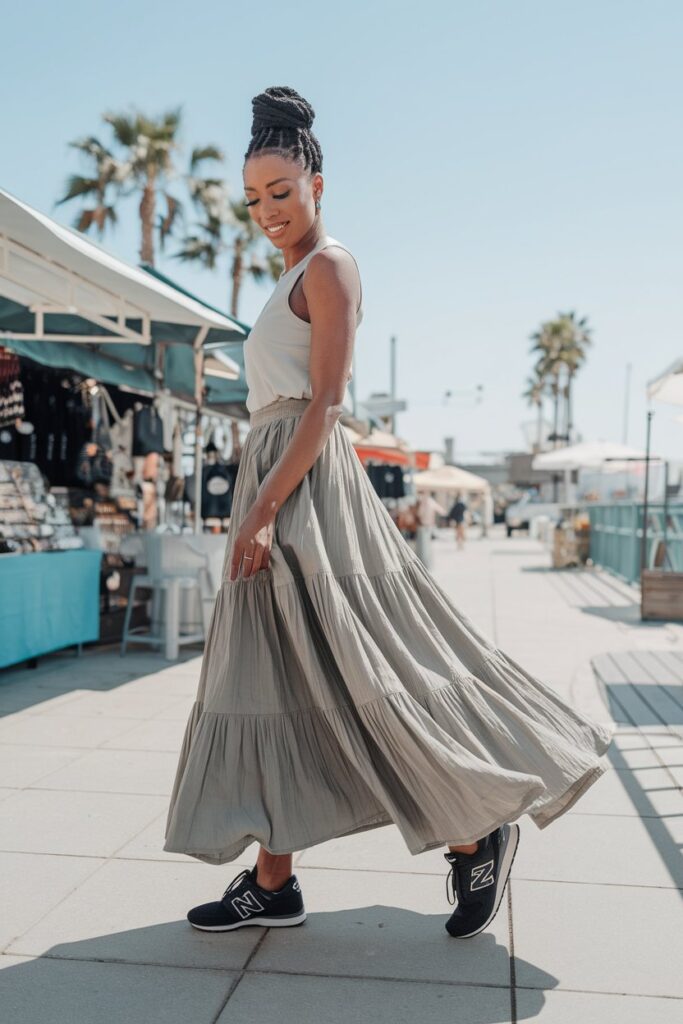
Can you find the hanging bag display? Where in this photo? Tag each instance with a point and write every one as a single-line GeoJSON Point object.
{"type": "Point", "coordinates": [94, 465]}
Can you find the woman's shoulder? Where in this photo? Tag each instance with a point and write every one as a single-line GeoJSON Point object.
{"type": "Point", "coordinates": [333, 254]}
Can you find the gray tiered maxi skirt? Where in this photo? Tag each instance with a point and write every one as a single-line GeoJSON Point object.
{"type": "Point", "coordinates": [342, 690]}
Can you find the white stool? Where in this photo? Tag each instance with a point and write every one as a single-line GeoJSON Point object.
{"type": "Point", "coordinates": [173, 565]}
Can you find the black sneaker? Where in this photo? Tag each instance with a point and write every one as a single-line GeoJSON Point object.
{"type": "Point", "coordinates": [478, 881]}
{"type": "Point", "coordinates": [245, 902]}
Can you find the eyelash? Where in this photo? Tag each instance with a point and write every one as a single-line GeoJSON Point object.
{"type": "Point", "coordinates": [283, 196]}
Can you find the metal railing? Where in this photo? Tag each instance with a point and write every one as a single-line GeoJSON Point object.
{"type": "Point", "coordinates": [617, 537]}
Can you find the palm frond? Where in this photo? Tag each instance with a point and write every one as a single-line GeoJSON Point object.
{"type": "Point", "coordinates": [201, 153]}
{"type": "Point", "coordinates": [76, 185]}
{"type": "Point", "coordinates": [124, 127]}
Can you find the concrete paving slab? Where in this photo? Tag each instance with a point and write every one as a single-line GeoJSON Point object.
{"type": "Point", "coordinates": [87, 824]}
{"type": "Point", "coordinates": [180, 681]}
{"type": "Point", "coordinates": [621, 792]}
{"type": "Point", "coordinates": [31, 698]}
{"type": "Point", "coordinates": [135, 912]}
{"type": "Point", "coordinates": [23, 765]}
{"type": "Point", "coordinates": [389, 926]}
{"type": "Point", "coordinates": [24, 901]}
{"type": "Point", "coordinates": [117, 771]}
{"type": "Point", "coordinates": [597, 938]}
{"type": "Point", "coordinates": [61, 731]}
{"type": "Point", "coordinates": [178, 711]}
{"type": "Point", "coordinates": [571, 1007]}
{"type": "Point", "coordinates": [604, 849]}
{"type": "Point", "coordinates": [670, 754]}
{"type": "Point", "coordinates": [157, 734]}
{"type": "Point", "coordinates": [121, 702]}
{"type": "Point", "coordinates": [640, 757]}
{"type": "Point", "coordinates": [36, 990]}
{"type": "Point", "coordinates": [291, 999]}
{"type": "Point", "coordinates": [653, 791]}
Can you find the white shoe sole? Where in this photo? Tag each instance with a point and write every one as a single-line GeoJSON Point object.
{"type": "Point", "coordinates": [263, 922]}
{"type": "Point", "coordinates": [503, 875]}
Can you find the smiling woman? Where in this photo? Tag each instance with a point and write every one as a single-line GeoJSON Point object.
{"type": "Point", "coordinates": [341, 689]}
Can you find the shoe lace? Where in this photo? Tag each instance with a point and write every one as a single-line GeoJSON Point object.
{"type": "Point", "coordinates": [452, 878]}
{"type": "Point", "coordinates": [237, 881]}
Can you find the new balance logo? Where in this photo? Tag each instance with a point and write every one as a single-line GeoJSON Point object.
{"type": "Point", "coordinates": [246, 904]}
{"type": "Point", "coordinates": [482, 876]}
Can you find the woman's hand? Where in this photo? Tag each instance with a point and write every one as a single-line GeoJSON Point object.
{"type": "Point", "coordinates": [253, 542]}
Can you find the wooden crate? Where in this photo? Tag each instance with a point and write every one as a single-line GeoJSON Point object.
{"type": "Point", "coordinates": [661, 595]}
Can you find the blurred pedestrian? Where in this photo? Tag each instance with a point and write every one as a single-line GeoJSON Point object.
{"type": "Point", "coordinates": [427, 510]}
{"type": "Point", "coordinates": [457, 516]}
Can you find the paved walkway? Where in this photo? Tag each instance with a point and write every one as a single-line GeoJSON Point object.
{"type": "Point", "coordinates": [93, 923]}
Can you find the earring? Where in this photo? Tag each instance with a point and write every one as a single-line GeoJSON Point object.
{"type": "Point", "coordinates": [317, 204]}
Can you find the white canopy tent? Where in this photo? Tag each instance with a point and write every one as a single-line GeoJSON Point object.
{"type": "Point", "coordinates": [609, 456]}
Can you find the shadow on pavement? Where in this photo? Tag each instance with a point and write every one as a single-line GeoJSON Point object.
{"type": "Point", "coordinates": [374, 963]}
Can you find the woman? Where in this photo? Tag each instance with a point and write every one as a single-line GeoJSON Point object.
{"type": "Point", "coordinates": [341, 690]}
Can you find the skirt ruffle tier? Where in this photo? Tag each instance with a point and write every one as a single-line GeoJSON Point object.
{"type": "Point", "coordinates": [342, 690]}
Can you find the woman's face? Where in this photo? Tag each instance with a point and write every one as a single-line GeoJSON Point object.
{"type": "Point", "coordinates": [280, 197]}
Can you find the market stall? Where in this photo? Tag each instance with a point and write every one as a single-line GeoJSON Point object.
{"type": "Point", "coordinates": [390, 465]}
{"type": "Point", "coordinates": [109, 376]}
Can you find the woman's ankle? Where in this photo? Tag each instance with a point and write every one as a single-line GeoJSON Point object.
{"type": "Point", "coordinates": [273, 870]}
{"type": "Point", "coordinates": [468, 848]}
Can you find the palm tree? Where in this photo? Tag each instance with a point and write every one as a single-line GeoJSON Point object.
{"type": "Point", "coordinates": [146, 166]}
{"type": "Point", "coordinates": [534, 394]}
{"type": "Point", "coordinates": [560, 345]}
{"type": "Point", "coordinates": [222, 217]}
{"type": "Point", "coordinates": [149, 146]}
{"type": "Point", "coordinates": [106, 177]}
{"type": "Point", "coordinates": [225, 226]}
{"type": "Point", "coordinates": [246, 254]}
{"type": "Point", "coordinates": [576, 339]}
{"type": "Point", "coordinates": [210, 197]}
{"type": "Point", "coordinates": [547, 344]}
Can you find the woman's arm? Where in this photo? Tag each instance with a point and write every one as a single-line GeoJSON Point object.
{"type": "Point", "coordinates": [332, 291]}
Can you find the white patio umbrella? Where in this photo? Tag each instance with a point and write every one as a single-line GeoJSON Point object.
{"type": "Point", "coordinates": [585, 455]}
{"type": "Point", "coordinates": [606, 455]}
{"type": "Point", "coordinates": [450, 479]}
{"type": "Point", "coordinates": [668, 387]}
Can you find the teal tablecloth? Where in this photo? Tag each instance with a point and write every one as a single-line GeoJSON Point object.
{"type": "Point", "coordinates": [47, 601]}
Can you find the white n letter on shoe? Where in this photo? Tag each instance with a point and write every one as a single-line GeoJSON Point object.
{"type": "Point", "coordinates": [482, 876]}
{"type": "Point", "coordinates": [243, 904]}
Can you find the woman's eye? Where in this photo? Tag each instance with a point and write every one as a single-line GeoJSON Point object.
{"type": "Point", "coordinates": [253, 201]}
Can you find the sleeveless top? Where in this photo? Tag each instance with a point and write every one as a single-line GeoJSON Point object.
{"type": "Point", "coordinates": [277, 349]}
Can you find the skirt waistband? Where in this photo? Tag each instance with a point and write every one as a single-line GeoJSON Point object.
{"type": "Point", "coordinates": [277, 409]}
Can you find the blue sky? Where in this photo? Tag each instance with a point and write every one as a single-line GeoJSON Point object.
{"type": "Point", "coordinates": [488, 163]}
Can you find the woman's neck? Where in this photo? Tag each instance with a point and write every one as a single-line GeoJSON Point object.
{"type": "Point", "coordinates": [304, 246]}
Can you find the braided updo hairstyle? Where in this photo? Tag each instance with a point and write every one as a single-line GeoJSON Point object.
{"type": "Point", "coordinates": [282, 123]}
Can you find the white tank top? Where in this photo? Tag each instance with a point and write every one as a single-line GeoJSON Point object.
{"type": "Point", "coordinates": [277, 349]}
